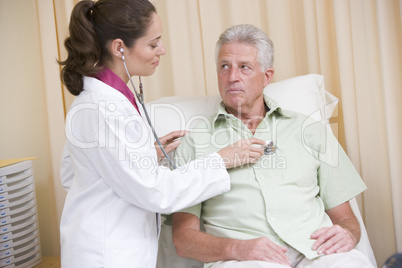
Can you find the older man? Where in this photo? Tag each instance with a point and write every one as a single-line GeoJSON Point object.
{"type": "Point", "coordinates": [291, 207]}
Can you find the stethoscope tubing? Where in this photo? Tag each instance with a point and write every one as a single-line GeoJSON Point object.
{"type": "Point", "coordinates": [140, 98]}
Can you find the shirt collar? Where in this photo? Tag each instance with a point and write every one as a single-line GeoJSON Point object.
{"type": "Point", "coordinates": [271, 104]}
{"type": "Point", "coordinates": [108, 77]}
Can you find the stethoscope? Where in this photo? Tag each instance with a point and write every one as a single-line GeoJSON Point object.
{"type": "Point", "coordinates": [269, 147]}
{"type": "Point", "coordinates": [140, 97]}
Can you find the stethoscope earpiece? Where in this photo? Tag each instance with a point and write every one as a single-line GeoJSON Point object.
{"type": "Point", "coordinates": [122, 54]}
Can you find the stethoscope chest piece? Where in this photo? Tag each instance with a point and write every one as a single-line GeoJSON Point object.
{"type": "Point", "coordinates": [269, 147]}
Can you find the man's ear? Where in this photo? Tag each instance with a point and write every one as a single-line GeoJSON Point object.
{"type": "Point", "coordinates": [269, 73]}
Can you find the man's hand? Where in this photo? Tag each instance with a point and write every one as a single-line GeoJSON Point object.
{"type": "Point", "coordinates": [341, 237]}
{"type": "Point", "coordinates": [333, 239]}
{"type": "Point", "coordinates": [260, 249]}
{"type": "Point", "coordinates": [190, 242]}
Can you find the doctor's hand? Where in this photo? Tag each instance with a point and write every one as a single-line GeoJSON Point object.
{"type": "Point", "coordinates": [242, 152]}
{"type": "Point", "coordinates": [169, 142]}
{"type": "Point", "coordinates": [333, 239]}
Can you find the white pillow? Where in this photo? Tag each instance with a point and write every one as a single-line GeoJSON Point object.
{"type": "Point", "coordinates": [177, 113]}
{"type": "Point", "coordinates": [304, 94]}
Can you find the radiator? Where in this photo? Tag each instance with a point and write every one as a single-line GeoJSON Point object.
{"type": "Point", "coordinates": [19, 229]}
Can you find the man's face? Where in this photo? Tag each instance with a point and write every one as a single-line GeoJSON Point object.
{"type": "Point", "coordinates": [240, 79]}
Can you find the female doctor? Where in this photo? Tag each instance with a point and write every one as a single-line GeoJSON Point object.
{"type": "Point", "coordinates": [110, 217]}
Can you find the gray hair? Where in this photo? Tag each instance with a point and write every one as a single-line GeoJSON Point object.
{"type": "Point", "coordinates": [249, 34]}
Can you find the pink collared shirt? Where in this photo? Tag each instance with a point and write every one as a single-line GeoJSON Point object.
{"type": "Point", "coordinates": [110, 78]}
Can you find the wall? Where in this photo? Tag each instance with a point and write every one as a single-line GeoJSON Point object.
{"type": "Point", "coordinates": [23, 108]}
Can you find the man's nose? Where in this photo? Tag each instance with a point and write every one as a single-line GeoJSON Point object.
{"type": "Point", "coordinates": [234, 74]}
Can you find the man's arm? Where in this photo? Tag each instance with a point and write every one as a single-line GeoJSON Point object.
{"type": "Point", "coordinates": [191, 242]}
{"type": "Point", "coordinates": [341, 237]}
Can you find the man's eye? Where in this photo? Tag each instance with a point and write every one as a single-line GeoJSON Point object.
{"type": "Point", "coordinates": [224, 66]}
{"type": "Point", "coordinates": [245, 67]}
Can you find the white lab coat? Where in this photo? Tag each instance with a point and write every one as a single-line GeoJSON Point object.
{"type": "Point", "coordinates": [115, 186]}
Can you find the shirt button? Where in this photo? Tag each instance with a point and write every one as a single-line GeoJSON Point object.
{"type": "Point", "coordinates": [227, 117]}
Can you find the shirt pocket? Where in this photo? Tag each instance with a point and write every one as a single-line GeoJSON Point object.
{"type": "Point", "coordinates": [301, 172]}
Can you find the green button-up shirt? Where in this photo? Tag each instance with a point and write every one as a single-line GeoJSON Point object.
{"type": "Point", "coordinates": [283, 196]}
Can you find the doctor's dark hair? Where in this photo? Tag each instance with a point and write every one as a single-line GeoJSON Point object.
{"type": "Point", "coordinates": [93, 25]}
{"type": "Point", "coordinates": [249, 34]}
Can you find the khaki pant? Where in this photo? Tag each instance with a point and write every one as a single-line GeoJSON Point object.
{"type": "Point", "coordinates": [351, 259]}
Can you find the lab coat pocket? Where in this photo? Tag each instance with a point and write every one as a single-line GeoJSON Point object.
{"type": "Point", "coordinates": [131, 253]}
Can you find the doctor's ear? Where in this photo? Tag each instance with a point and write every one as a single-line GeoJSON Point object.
{"type": "Point", "coordinates": [117, 48]}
